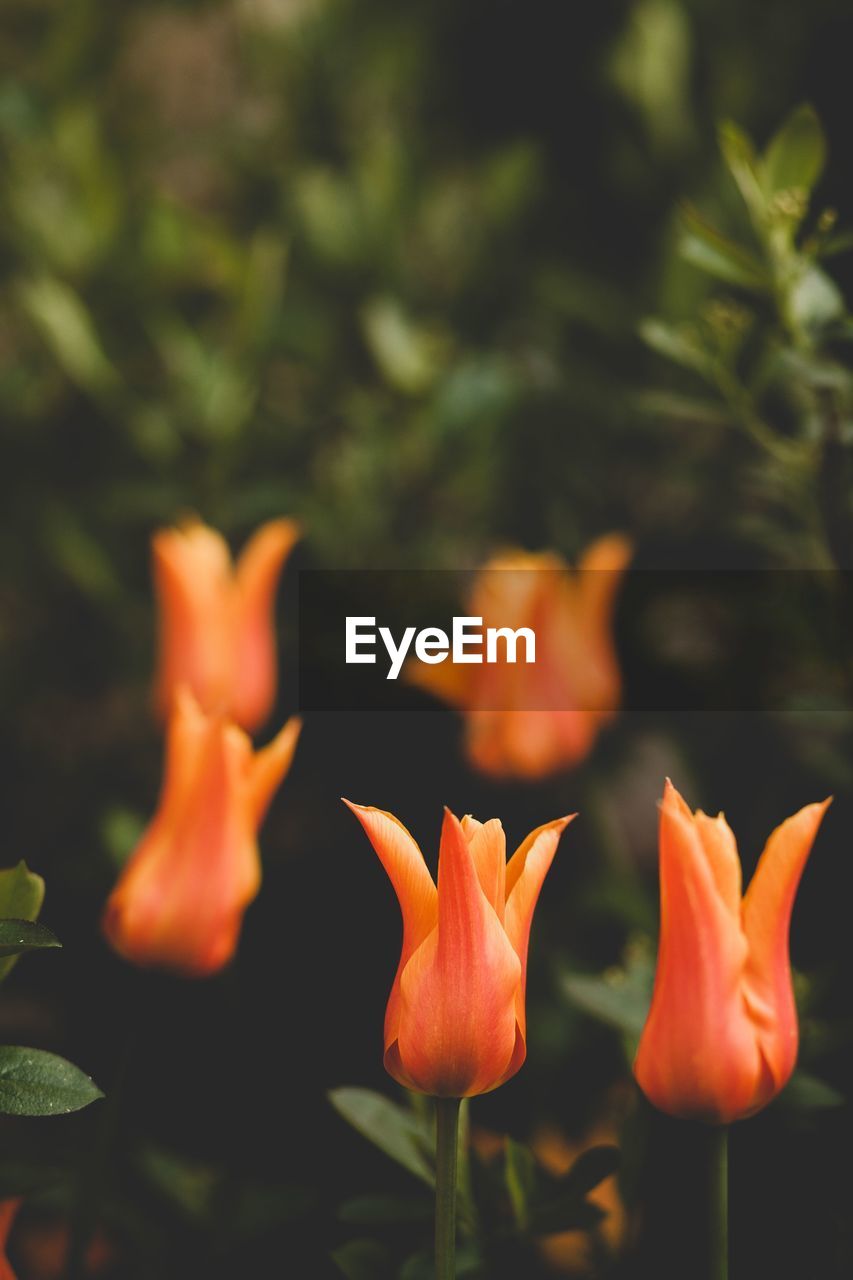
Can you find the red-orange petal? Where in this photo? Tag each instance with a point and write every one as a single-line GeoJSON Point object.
{"type": "Point", "coordinates": [525, 875]}
{"type": "Point", "coordinates": [698, 1054]}
{"type": "Point", "coordinates": [404, 864]}
{"type": "Point", "coordinates": [8, 1213]}
{"type": "Point", "coordinates": [255, 660]}
{"type": "Point", "coordinates": [457, 1028]}
{"type": "Point", "coordinates": [767, 910]}
{"type": "Point", "coordinates": [193, 585]}
{"type": "Point", "coordinates": [487, 843]}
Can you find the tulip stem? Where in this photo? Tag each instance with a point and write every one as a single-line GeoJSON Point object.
{"type": "Point", "coordinates": [446, 1145]}
{"type": "Point", "coordinates": [720, 1203]}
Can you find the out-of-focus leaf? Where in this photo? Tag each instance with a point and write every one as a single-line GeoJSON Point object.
{"type": "Point", "coordinates": [805, 1092]}
{"type": "Point", "coordinates": [668, 404]}
{"type": "Point", "coordinates": [706, 248]}
{"type": "Point", "coordinates": [742, 162]}
{"type": "Point", "coordinates": [120, 832]}
{"type": "Point", "coordinates": [421, 1266]}
{"type": "Point", "coordinates": [371, 1211]}
{"type": "Point", "coordinates": [35, 1083]}
{"type": "Point", "coordinates": [190, 1185]}
{"type": "Point", "coordinates": [796, 155]}
{"type": "Point", "coordinates": [18, 936]}
{"type": "Point", "coordinates": [520, 1178]}
{"type": "Point", "coordinates": [407, 355]}
{"type": "Point", "coordinates": [676, 343]}
{"type": "Point", "coordinates": [78, 555]}
{"type": "Point", "coordinates": [21, 898]}
{"type": "Point", "coordinates": [841, 242]}
{"type": "Point", "coordinates": [395, 1131]}
{"type": "Point", "coordinates": [620, 998]}
{"type": "Point", "coordinates": [362, 1260]}
{"type": "Point", "coordinates": [815, 300]}
{"type": "Point", "coordinates": [64, 323]}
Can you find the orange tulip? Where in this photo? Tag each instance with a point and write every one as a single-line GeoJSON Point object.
{"type": "Point", "coordinates": [721, 1037]}
{"type": "Point", "coordinates": [216, 623]}
{"type": "Point", "coordinates": [455, 1023]}
{"type": "Point", "coordinates": [8, 1213]}
{"type": "Point", "coordinates": [530, 720]}
{"type": "Point", "coordinates": [180, 900]}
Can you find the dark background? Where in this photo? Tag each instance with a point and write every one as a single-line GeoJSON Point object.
{"type": "Point", "coordinates": [381, 268]}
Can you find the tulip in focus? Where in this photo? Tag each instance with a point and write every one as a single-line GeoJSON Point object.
{"type": "Point", "coordinates": [525, 720]}
{"type": "Point", "coordinates": [216, 631]}
{"type": "Point", "coordinates": [455, 1023]}
{"type": "Point", "coordinates": [720, 1040]}
{"type": "Point", "coordinates": [180, 900]}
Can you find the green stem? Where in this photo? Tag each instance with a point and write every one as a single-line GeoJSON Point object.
{"type": "Point", "coordinates": [719, 1171]}
{"type": "Point", "coordinates": [446, 1144]}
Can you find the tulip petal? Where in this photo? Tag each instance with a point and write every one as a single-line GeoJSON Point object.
{"type": "Point", "coordinates": [767, 910]}
{"type": "Point", "coordinates": [720, 847]}
{"type": "Point", "coordinates": [192, 582]}
{"type": "Point", "coordinates": [270, 765]}
{"type": "Point", "coordinates": [525, 875]}
{"type": "Point", "coordinates": [255, 665]}
{"type": "Point", "coordinates": [487, 843]}
{"type": "Point", "coordinates": [404, 864]}
{"type": "Point", "coordinates": [180, 900]}
{"type": "Point", "coordinates": [457, 1028]}
{"type": "Point", "coordinates": [697, 1054]}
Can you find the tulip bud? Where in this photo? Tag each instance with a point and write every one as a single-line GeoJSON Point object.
{"type": "Point", "coordinates": [720, 1040]}
{"type": "Point", "coordinates": [180, 900]}
{"type": "Point", "coordinates": [216, 632]}
{"type": "Point", "coordinates": [455, 1024]}
{"type": "Point", "coordinates": [530, 720]}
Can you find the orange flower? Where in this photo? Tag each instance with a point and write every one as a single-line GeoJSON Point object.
{"type": "Point", "coordinates": [180, 900]}
{"type": "Point", "coordinates": [721, 1037]}
{"type": "Point", "coordinates": [455, 1024]}
{"type": "Point", "coordinates": [530, 720]}
{"type": "Point", "coordinates": [8, 1213]}
{"type": "Point", "coordinates": [216, 625]}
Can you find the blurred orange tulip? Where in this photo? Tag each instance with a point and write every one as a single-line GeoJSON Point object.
{"type": "Point", "coordinates": [455, 1024]}
{"type": "Point", "coordinates": [180, 900]}
{"type": "Point", "coordinates": [721, 1037]}
{"type": "Point", "coordinates": [216, 631]}
{"type": "Point", "coordinates": [8, 1212]}
{"type": "Point", "coordinates": [530, 720]}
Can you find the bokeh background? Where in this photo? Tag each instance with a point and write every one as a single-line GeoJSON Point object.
{"type": "Point", "coordinates": [383, 268]}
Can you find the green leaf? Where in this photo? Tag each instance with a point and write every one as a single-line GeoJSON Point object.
{"type": "Point", "coordinates": [742, 162]}
{"type": "Point", "coordinates": [805, 1092]}
{"type": "Point", "coordinates": [35, 1083]}
{"type": "Point", "coordinates": [67, 328]}
{"type": "Point", "coordinates": [421, 1266]}
{"type": "Point", "coordinates": [388, 1126]}
{"type": "Point", "coordinates": [796, 155]}
{"type": "Point", "coordinates": [620, 999]}
{"type": "Point", "coordinates": [372, 1211]}
{"type": "Point", "coordinates": [21, 898]}
{"type": "Point", "coordinates": [362, 1260]}
{"type": "Point", "coordinates": [676, 343]}
{"type": "Point", "coordinates": [706, 248]}
{"type": "Point", "coordinates": [520, 1178]}
{"type": "Point", "coordinates": [815, 301]}
{"type": "Point", "coordinates": [19, 936]}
